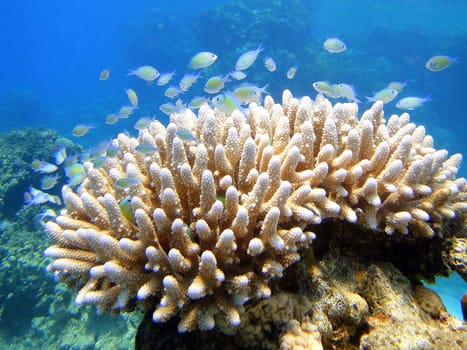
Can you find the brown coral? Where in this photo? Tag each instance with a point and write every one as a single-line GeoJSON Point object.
{"type": "Point", "coordinates": [213, 222]}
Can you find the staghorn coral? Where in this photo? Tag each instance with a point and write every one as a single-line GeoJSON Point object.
{"type": "Point", "coordinates": [213, 222]}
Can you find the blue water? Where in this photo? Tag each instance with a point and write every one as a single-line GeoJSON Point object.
{"type": "Point", "coordinates": [51, 54]}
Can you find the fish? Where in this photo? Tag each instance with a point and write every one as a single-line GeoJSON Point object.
{"type": "Point", "coordinates": [172, 92]}
{"type": "Point", "coordinates": [249, 93]}
{"type": "Point", "coordinates": [270, 64]}
{"type": "Point", "coordinates": [126, 111]}
{"type": "Point", "coordinates": [386, 95]}
{"type": "Point", "coordinates": [147, 73]}
{"type": "Point", "coordinates": [323, 87]}
{"type": "Point", "coordinates": [188, 80]}
{"type": "Point", "coordinates": [197, 102]}
{"type": "Point", "coordinates": [186, 136]}
{"type": "Point", "coordinates": [168, 108]}
{"type": "Point", "coordinates": [396, 85]}
{"type": "Point", "coordinates": [215, 84]}
{"type": "Point", "coordinates": [146, 148]}
{"type": "Point", "coordinates": [104, 74]}
{"type": "Point", "coordinates": [247, 59]}
{"type": "Point", "coordinates": [226, 102]}
{"type": "Point", "coordinates": [440, 62]}
{"type": "Point", "coordinates": [112, 119]}
{"type": "Point", "coordinates": [99, 162]}
{"type": "Point", "coordinates": [238, 75]}
{"type": "Point", "coordinates": [46, 213]}
{"type": "Point", "coordinates": [42, 167]}
{"type": "Point", "coordinates": [49, 181]}
{"type": "Point", "coordinates": [126, 209]}
{"type": "Point", "coordinates": [291, 72]}
{"type": "Point", "coordinates": [125, 182]}
{"type": "Point", "coordinates": [164, 78]}
{"type": "Point", "coordinates": [132, 97]}
{"type": "Point", "coordinates": [348, 92]}
{"type": "Point", "coordinates": [142, 123]}
{"type": "Point", "coordinates": [60, 155]}
{"type": "Point", "coordinates": [81, 129]}
{"type": "Point", "coordinates": [334, 45]}
{"type": "Point", "coordinates": [74, 169]}
{"type": "Point", "coordinates": [412, 102]}
{"type": "Point", "coordinates": [75, 180]}
{"type": "Point", "coordinates": [202, 60]}
{"type": "Point", "coordinates": [112, 150]}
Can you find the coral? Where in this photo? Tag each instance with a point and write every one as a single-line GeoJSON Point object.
{"type": "Point", "coordinates": [214, 223]}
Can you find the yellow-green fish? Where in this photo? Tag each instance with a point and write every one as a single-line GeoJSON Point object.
{"type": "Point", "coordinates": [215, 84]}
{"type": "Point", "coordinates": [146, 148]}
{"type": "Point", "coordinates": [247, 59]}
{"type": "Point", "coordinates": [132, 97]}
{"type": "Point", "coordinates": [112, 119]}
{"type": "Point", "coordinates": [440, 62]}
{"type": "Point", "coordinates": [147, 73]}
{"type": "Point", "coordinates": [172, 92]}
{"type": "Point", "coordinates": [125, 111]}
{"type": "Point", "coordinates": [348, 92]}
{"type": "Point", "coordinates": [386, 95]}
{"type": "Point", "coordinates": [60, 155]}
{"type": "Point", "coordinates": [164, 78]}
{"type": "Point", "coordinates": [104, 75]}
{"type": "Point", "coordinates": [270, 64]}
{"type": "Point", "coordinates": [48, 182]}
{"type": "Point", "coordinates": [202, 60]}
{"type": "Point", "coordinates": [249, 93]}
{"type": "Point", "coordinates": [238, 75]}
{"type": "Point", "coordinates": [323, 87]}
{"type": "Point", "coordinates": [291, 72]}
{"type": "Point", "coordinates": [186, 136]}
{"type": "Point", "coordinates": [81, 129]}
{"type": "Point", "coordinates": [124, 182]}
{"type": "Point", "coordinates": [188, 80]}
{"type": "Point", "coordinates": [226, 102]}
{"type": "Point", "coordinates": [75, 169]}
{"type": "Point", "coordinates": [411, 102]}
{"type": "Point", "coordinates": [142, 123]}
{"type": "Point", "coordinates": [197, 102]}
{"type": "Point", "coordinates": [334, 45]}
{"type": "Point", "coordinates": [397, 85]}
{"type": "Point", "coordinates": [126, 209]}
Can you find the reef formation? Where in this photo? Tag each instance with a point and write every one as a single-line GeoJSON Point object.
{"type": "Point", "coordinates": [204, 229]}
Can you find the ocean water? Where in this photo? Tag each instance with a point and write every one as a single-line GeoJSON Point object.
{"type": "Point", "coordinates": [52, 53]}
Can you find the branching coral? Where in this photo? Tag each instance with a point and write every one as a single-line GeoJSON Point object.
{"type": "Point", "coordinates": [200, 227]}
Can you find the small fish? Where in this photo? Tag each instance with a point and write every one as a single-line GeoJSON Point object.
{"type": "Point", "coordinates": [226, 102]}
{"type": "Point", "coordinates": [410, 103]}
{"type": "Point", "coordinates": [247, 59]}
{"type": "Point", "coordinates": [188, 80]}
{"type": "Point", "coordinates": [270, 64]}
{"type": "Point", "coordinates": [112, 119]}
{"type": "Point", "coordinates": [74, 169]}
{"type": "Point", "coordinates": [186, 136]}
{"type": "Point", "coordinates": [60, 155]}
{"type": "Point", "coordinates": [238, 75]}
{"type": "Point", "coordinates": [125, 182]}
{"type": "Point", "coordinates": [126, 111]}
{"type": "Point", "coordinates": [440, 62]}
{"type": "Point", "coordinates": [43, 167]}
{"type": "Point", "coordinates": [142, 123]}
{"type": "Point", "coordinates": [396, 85]}
{"type": "Point", "coordinates": [81, 129]}
{"type": "Point", "coordinates": [215, 84]}
{"type": "Point", "coordinates": [132, 97]}
{"type": "Point", "coordinates": [46, 213]}
{"type": "Point", "coordinates": [323, 87]}
{"type": "Point", "coordinates": [48, 182]}
{"type": "Point", "coordinates": [126, 209]}
{"type": "Point", "coordinates": [172, 92]}
{"type": "Point", "coordinates": [99, 162]}
{"type": "Point", "coordinates": [202, 60]}
{"type": "Point", "coordinates": [291, 72]}
{"type": "Point", "coordinates": [147, 73]}
{"type": "Point", "coordinates": [335, 91]}
{"type": "Point", "coordinates": [37, 198]}
{"type": "Point", "coordinates": [146, 148]}
{"type": "Point", "coordinates": [168, 108]}
{"type": "Point", "coordinates": [104, 75]}
{"type": "Point", "coordinates": [164, 78]}
{"type": "Point", "coordinates": [386, 95]}
{"type": "Point", "coordinates": [249, 93]}
{"type": "Point", "coordinates": [334, 45]}
{"type": "Point", "coordinates": [348, 92]}
{"type": "Point", "coordinates": [197, 102]}
{"type": "Point", "coordinates": [112, 150]}
{"type": "Point", "coordinates": [75, 180]}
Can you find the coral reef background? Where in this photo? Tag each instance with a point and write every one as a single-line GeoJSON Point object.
{"type": "Point", "coordinates": [53, 55]}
